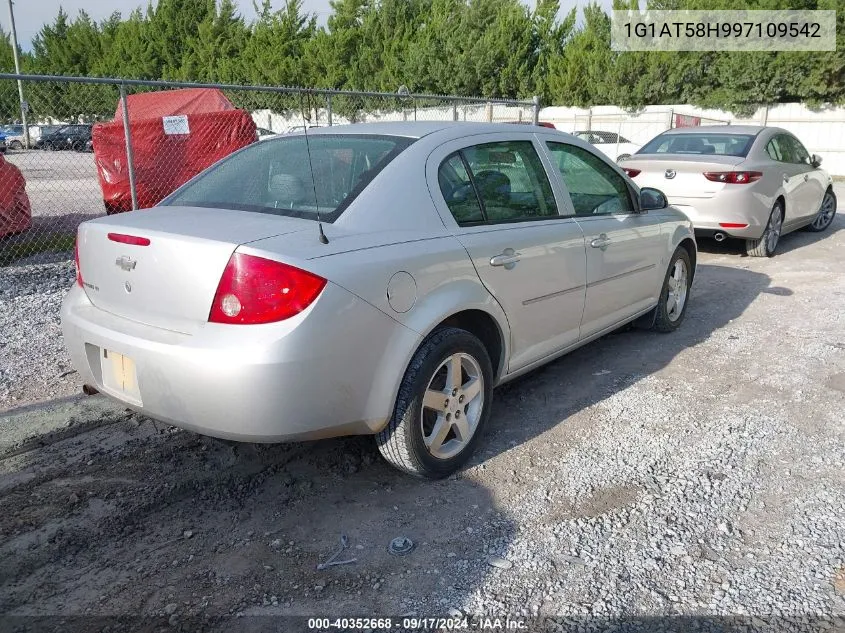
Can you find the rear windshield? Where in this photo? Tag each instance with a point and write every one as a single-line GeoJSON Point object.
{"type": "Point", "coordinates": [275, 175]}
{"type": "Point", "coordinates": [699, 143]}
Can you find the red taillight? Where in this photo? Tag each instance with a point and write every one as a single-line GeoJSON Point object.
{"type": "Point", "coordinates": [134, 240]}
{"type": "Point", "coordinates": [733, 177]}
{"type": "Point", "coordinates": [257, 290]}
{"type": "Point", "coordinates": [632, 173]}
{"type": "Point", "coordinates": [76, 261]}
{"type": "Point", "coordinates": [732, 225]}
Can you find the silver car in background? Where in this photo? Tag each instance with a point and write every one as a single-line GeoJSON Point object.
{"type": "Point", "coordinates": [751, 182]}
{"type": "Point", "coordinates": [371, 279]}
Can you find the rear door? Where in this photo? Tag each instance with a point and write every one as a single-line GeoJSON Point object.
{"type": "Point", "coordinates": [494, 192]}
{"type": "Point", "coordinates": [782, 150]}
{"type": "Point", "coordinates": [624, 249]}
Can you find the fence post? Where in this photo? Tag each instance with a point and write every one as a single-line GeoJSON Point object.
{"type": "Point", "coordinates": [765, 120]}
{"type": "Point", "coordinates": [590, 118]}
{"type": "Point", "coordinates": [329, 108]}
{"type": "Point", "coordinates": [535, 109]}
{"type": "Point", "coordinates": [671, 118]}
{"type": "Point", "coordinates": [130, 157]}
{"type": "Point", "coordinates": [454, 111]}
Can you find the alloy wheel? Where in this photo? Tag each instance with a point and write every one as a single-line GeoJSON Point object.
{"type": "Point", "coordinates": [677, 295]}
{"type": "Point", "coordinates": [452, 405]}
{"type": "Point", "coordinates": [826, 213]}
{"type": "Point", "coordinates": [775, 226]}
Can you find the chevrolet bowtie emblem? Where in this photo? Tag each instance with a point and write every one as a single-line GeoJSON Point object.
{"type": "Point", "coordinates": [126, 263]}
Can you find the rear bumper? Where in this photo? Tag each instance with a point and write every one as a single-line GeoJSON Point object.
{"type": "Point", "coordinates": [331, 370]}
{"type": "Point", "coordinates": [728, 206]}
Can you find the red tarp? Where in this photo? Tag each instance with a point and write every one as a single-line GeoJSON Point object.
{"type": "Point", "coordinates": [175, 135]}
{"type": "Point", "coordinates": [15, 213]}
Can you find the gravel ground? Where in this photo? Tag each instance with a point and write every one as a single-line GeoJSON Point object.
{"type": "Point", "coordinates": [691, 474]}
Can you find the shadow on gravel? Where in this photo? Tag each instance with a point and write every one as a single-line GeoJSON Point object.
{"type": "Point", "coordinates": [134, 517]}
{"type": "Point", "coordinates": [545, 398]}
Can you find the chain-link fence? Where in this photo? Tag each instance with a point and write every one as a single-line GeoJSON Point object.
{"type": "Point", "coordinates": [95, 146]}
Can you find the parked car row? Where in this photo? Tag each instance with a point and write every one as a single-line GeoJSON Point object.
{"type": "Point", "coordinates": [50, 137]}
{"type": "Point", "coordinates": [76, 137]}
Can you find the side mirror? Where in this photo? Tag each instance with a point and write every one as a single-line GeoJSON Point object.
{"type": "Point", "coordinates": [816, 160]}
{"type": "Point", "coordinates": [652, 199]}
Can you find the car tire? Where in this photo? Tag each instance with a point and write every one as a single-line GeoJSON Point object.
{"type": "Point", "coordinates": [49, 146]}
{"type": "Point", "coordinates": [766, 245]}
{"type": "Point", "coordinates": [623, 157]}
{"type": "Point", "coordinates": [824, 218]}
{"type": "Point", "coordinates": [674, 295]}
{"type": "Point", "coordinates": [15, 145]}
{"type": "Point", "coordinates": [427, 441]}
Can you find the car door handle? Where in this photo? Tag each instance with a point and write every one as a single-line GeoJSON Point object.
{"type": "Point", "coordinates": [600, 242]}
{"type": "Point", "coordinates": [506, 259]}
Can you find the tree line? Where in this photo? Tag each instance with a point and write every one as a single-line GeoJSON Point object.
{"type": "Point", "coordinates": [489, 48]}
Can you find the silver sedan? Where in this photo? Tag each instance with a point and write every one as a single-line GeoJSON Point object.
{"type": "Point", "coordinates": [371, 279]}
{"type": "Point", "coordinates": [751, 182]}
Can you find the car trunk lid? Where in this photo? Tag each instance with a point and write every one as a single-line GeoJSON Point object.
{"type": "Point", "coordinates": [680, 176]}
{"type": "Point", "coordinates": [170, 281]}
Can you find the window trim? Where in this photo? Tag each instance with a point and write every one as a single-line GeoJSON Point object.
{"type": "Point", "coordinates": [633, 195]}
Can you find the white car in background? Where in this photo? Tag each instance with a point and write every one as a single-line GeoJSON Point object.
{"type": "Point", "coordinates": [738, 181]}
{"type": "Point", "coordinates": [611, 144]}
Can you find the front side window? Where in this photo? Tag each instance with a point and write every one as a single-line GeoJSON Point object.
{"type": "Point", "coordinates": [594, 186]}
{"type": "Point", "coordinates": [799, 152]}
{"type": "Point", "coordinates": [294, 176]}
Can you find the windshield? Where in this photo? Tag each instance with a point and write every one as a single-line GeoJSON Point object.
{"type": "Point", "coordinates": [699, 143]}
{"type": "Point", "coordinates": [275, 176]}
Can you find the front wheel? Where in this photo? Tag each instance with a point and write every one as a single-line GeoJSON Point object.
{"type": "Point", "coordinates": [672, 307]}
{"type": "Point", "coordinates": [443, 405]}
{"type": "Point", "coordinates": [824, 218]}
{"type": "Point", "coordinates": [768, 242]}
{"type": "Point", "coordinates": [15, 145]}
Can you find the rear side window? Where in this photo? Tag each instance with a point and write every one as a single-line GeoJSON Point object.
{"type": "Point", "coordinates": [281, 177]}
{"type": "Point", "coordinates": [457, 190]}
{"type": "Point", "coordinates": [507, 180]}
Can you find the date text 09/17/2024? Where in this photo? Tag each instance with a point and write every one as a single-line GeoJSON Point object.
{"type": "Point", "coordinates": [415, 623]}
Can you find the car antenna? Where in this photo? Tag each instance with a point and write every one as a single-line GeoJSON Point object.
{"type": "Point", "coordinates": [323, 238]}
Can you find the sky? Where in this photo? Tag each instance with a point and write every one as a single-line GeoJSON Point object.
{"type": "Point", "coordinates": [30, 15]}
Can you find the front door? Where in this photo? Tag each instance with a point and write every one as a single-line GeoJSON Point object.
{"type": "Point", "coordinates": [529, 257]}
{"type": "Point", "coordinates": [624, 249]}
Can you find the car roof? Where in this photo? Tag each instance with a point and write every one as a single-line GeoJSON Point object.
{"type": "Point", "coordinates": [419, 129]}
{"type": "Point", "coordinates": [719, 129]}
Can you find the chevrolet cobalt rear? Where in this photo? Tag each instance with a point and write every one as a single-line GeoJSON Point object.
{"type": "Point", "coordinates": [370, 279]}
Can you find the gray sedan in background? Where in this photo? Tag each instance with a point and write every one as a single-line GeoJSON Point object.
{"type": "Point", "coordinates": [371, 279]}
{"type": "Point", "coordinates": [751, 182]}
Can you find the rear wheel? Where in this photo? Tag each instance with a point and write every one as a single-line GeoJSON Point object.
{"type": "Point", "coordinates": [824, 218]}
{"type": "Point", "coordinates": [768, 242]}
{"type": "Point", "coordinates": [15, 145]}
{"type": "Point", "coordinates": [443, 405]}
{"type": "Point", "coordinates": [672, 306]}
